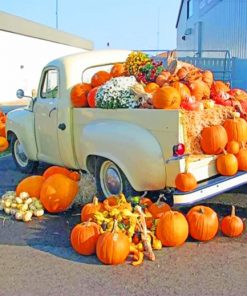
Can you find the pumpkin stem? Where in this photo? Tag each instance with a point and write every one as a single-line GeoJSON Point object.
{"type": "Point", "coordinates": [95, 200]}
{"type": "Point", "coordinates": [233, 213]}
{"type": "Point", "coordinates": [201, 210]}
{"type": "Point", "coordinates": [161, 196]}
{"type": "Point", "coordinates": [144, 194]}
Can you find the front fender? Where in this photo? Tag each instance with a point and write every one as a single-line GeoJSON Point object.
{"type": "Point", "coordinates": [133, 148]}
{"type": "Point", "coordinates": [21, 123]}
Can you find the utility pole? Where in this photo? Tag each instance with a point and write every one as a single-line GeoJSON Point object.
{"type": "Point", "coordinates": [158, 29]}
{"type": "Point", "coordinates": [57, 14]}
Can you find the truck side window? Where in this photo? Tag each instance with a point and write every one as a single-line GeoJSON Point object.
{"type": "Point", "coordinates": [50, 84]}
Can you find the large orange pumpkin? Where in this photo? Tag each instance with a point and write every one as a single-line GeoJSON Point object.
{"type": "Point", "coordinates": [58, 192]}
{"type": "Point", "coordinates": [89, 209]}
{"type": "Point", "coordinates": [55, 170]}
{"type": "Point", "coordinates": [78, 94]}
{"type": "Point", "coordinates": [242, 159]}
{"type": "Point", "coordinates": [4, 144]}
{"type": "Point", "coordinates": [84, 237]}
{"type": "Point", "coordinates": [100, 78]}
{"type": "Point", "coordinates": [166, 97]}
{"type": "Point", "coordinates": [213, 139]}
{"type": "Point", "coordinates": [203, 223]}
{"type": "Point", "coordinates": [113, 247]}
{"type": "Point", "coordinates": [227, 164]}
{"type": "Point", "coordinates": [91, 97]}
{"type": "Point", "coordinates": [199, 90]}
{"type": "Point", "coordinates": [117, 70]}
{"type": "Point", "coordinates": [232, 225]}
{"type": "Point", "coordinates": [172, 229]}
{"type": "Point", "coordinates": [32, 185]}
{"type": "Point", "coordinates": [236, 129]}
{"type": "Point", "coordinates": [183, 90]}
{"type": "Point", "coordinates": [185, 182]}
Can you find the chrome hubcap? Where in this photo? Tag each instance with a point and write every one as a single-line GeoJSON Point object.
{"type": "Point", "coordinates": [111, 182]}
{"type": "Point", "coordinates": [20, 154]}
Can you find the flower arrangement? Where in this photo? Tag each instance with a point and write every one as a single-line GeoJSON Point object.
{"type": "Point", "coordinates": [117, 93]}
{"type": "Point", "coordinates": [134, 61]}
{"type": "Point", "coordinates": [150, 71]}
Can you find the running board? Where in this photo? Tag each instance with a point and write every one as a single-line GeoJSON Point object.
{"type": "Point", "coordinates": [209, 189]}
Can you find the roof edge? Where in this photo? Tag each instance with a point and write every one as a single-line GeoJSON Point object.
{"type": "Point", "coordinates": [179, 13]}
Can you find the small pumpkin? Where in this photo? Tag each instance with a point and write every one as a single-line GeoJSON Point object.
{"type": "Point", "coordinates": [75, 176]}
{"type": "Point", "coordinates": [2, 130]}
{"type": "Point", "coordinates": [166, 97]}
{"type": "Point", "coordinates": [89, 209]}
{"type": "Point", "coordinates": [185, 182]}
{"type": "Point", "coordinates": [219, 86]}
{"type": "Point", "coordinates": [213, 139]}
{"type": "Point", "coordinates": [4, 144]}
{"type": "Point", "coordinates": [55, 170]}
{"type": "Point", "coordinates": [117, 70]}
{"type": "Point", "coordinates": [227, 164]}
{"type": "Point", "coordinates": [199, 90]}
{"type": "Point", "coordinates": [203, 223]}
{"type": "Point", "coordinates": [84, 237]}
{"type": "Point", "coordinates": [232, 147]}
{"type": "Point", "coordinates": [91, 97]}
{"type": "Point", "coordinates": [182, 73]}
{"type": "Point", "coordinates": [78, 94]}
{"type": "Point", "coordinates": [100, 78]}
{"type": "Point", "coordinates": [58, 192]}
{"type": "Point", "coordinates": [32, 185]}
{"type": "Point", "coordinates": [242, 159]}
{"type": "Point", "coordinates": [172, 229]}
{"type": "Point", "coordinates": [158, 208]}
{"type": "Point", "coordinates": [236, 129]}
{"type": "Point", "coordinates": [151, 87]}
{"type": "Point", "coordinates": [232, 225]}
{"type": "Point", "coordinates": [113, 247]}
{"type": "Point", "coordinates": [208, 78]}
{"type": "Point", "coordinates": [183, 90]}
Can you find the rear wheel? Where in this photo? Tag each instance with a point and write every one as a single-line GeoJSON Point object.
{"type": "Point", "coordinates": [21, 160]}
{"type": "Point", "coordinates": [110, 180]}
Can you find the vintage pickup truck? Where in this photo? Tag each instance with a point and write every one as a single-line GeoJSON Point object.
{"type": "Point", "coordinates": [127, 150]}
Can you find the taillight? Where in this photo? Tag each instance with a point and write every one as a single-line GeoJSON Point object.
{"type": "Point", "coordinates": [178, 150]}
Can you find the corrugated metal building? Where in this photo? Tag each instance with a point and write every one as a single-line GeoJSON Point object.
{"type": "Point", "coordinates": [213, 25]}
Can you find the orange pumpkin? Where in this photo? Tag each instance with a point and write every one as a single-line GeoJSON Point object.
{"type": "Point", "coordinates": [182, 73]}
{"type": "Point", "coordinates": [58, 192]}
{"type": "Point", "coordinates": [91, 97]}
{"type": "Point", "coordinates": [89, 209]}
{"type": "Point", "coordinates": [166, 97]}
{"type": "Point", "coordinates": [236, 129]}
{"type": "Point", "coordinates": [145, 202]}
{"type": "Point", "coordinates": [113, 247]}
{"type": "Point", "coordinates": [158, 208]}
{"type": "Point", "coordinates": [242, 159]}
{"type": "Point", "coordinates": [199, 90]}
{"type": "Point", "coordinates": [227, 164]}
{"type": "Point", "coordinates": [151, 87]}
{"type": "Point", "coordinates": [2, 130]}
{"type": "Point", "coordinates": [75, 176]}
{"type": "Point", "coordinates": [55, 170]}
{"type": "Point", "coordinates": [84, 237]}
{"type": "Point", "coordinates": [100, 78]}
{"type": "Point", "coordinates": [232, 147]}
{"type": "Point", "coordinates": [161, 80]}
{"type": "Point", "coordinates": [183, 90]}
{"type": "Point", "coordinates": [232, 225]}
{"type": "Point", "coordinates": [213, 139]}
{"type": "Point", "coordinates": [32, 185]}
{"type": "Point", "coordinates": [78, 94]}
{"type": "Point", "coordinates": [185, 182]}
{"type": "Point", "coordinates": [203, 223]}
{"type": "Point", "coordinates": [117, 70]}
{"type": "Point", "coordinates": [219, 86]}
{"type": "Point", "coordinates": [208, 78]}
{"type": "Point", "coordinates": [4, 144]}
{"type": "Point", "coordinates": [172, 229]}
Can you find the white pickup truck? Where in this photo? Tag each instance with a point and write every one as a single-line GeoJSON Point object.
{"type": "Point", "coordinates": [127, 150]}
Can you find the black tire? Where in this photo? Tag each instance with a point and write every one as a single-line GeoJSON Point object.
{"type": "Point", "coordinates": [26, 166]}
{"type": "Point", "coordinates": [102, 192]}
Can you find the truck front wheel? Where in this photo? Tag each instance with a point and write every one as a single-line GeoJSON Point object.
{"type": "Point", "coordinates": [110, 180]}
{"type": "Point", "coordinates": [20, 158]}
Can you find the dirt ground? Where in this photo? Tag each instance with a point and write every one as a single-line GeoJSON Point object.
{"type": "Point", "coordinates": [37, 259]}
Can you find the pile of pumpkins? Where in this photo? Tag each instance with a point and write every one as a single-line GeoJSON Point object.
{"type": "Point", "coordinates": [228, 142]}
{"type": "Point", "coordinates": [181, 85]}
{"type": "Point", "coordinates": [3, 141]}
{"type": "Point", "coordinates": [116, 229]}
{"type": "Point", "coordinates": [54, 192]}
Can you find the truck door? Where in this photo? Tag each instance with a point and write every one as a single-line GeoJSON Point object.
{"type": "Point", "coordinates": [46, 111]}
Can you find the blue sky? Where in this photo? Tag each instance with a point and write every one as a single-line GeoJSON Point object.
{"type": "Point", "coordinates": [127, 24]}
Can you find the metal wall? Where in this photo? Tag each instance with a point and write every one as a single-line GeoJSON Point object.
{"type": "Point", "coordinates": [223, 26]}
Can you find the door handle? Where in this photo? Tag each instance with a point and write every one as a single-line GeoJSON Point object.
{"type": "Point", "coordinates": [62, 126]}
{"type": "Point", "coordinates": [53, 109]}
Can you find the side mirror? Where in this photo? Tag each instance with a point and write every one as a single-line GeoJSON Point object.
{"type": "Point", "coordinates": [20, 93]}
